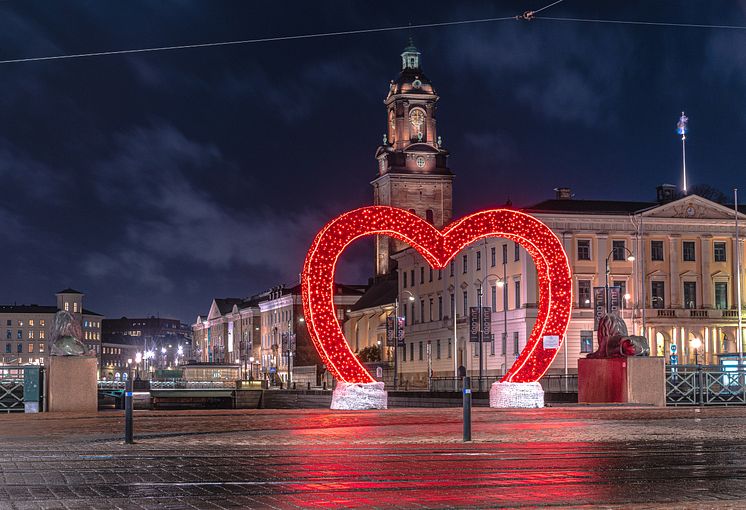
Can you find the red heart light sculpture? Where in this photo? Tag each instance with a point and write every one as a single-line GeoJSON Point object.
{"type": "Point", "coordinates": [438, 248]}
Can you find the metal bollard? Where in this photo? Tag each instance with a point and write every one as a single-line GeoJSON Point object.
{"type": "Point", "coordinates": [128, 433]}
{"type": "Point", "coordinates": [467, 409]}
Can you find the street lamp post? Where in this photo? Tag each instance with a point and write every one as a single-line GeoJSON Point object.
{"type": "Point", "coordinates": [411, 298]}
{"type": "Point", "coordinates": [630, 258]}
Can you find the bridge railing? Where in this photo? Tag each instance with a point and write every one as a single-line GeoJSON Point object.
{"type": "Point", "coordinates": [705, 385]}
{"type": "Point", "coordinates": [21, 388]}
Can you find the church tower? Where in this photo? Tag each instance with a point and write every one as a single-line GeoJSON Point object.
{"type": "Point", "coordinates": [413, 169]}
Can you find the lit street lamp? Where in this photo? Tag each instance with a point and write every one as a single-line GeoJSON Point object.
{"type": "Point", "coordinates": [411, 298]}
{"type": "Point", "coordinates": [695, 343]}
{"type": "Point", "coordinates": [630, 258]}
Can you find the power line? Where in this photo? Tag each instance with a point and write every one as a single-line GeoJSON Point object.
{"type": "Point", "coordinates": [258, 40]}
{"type": "Point", "coordinates": [277, 38]}
{"type": "Point", "coordinates": [642, 23]}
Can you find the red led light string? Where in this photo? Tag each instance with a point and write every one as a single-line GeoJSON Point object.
{"type": "Point", "coordinates": [553, 275]}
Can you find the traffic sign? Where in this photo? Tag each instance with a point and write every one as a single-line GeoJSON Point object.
{"type": "Point", "coordinates": [673, 348]}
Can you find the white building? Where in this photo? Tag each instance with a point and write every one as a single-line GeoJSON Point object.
{"type": "Point", "coordinates": [681, 285]}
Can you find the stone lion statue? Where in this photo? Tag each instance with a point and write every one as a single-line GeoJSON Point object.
{"type": "Point", "coordinates": [66, 334]}
{"type": "Point", "coordinates": [615, 342]}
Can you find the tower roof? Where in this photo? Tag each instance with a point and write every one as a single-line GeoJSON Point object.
{"type": "Point", "coordinates": [70, 291]}
{"type": "Point", "coordinates": [411, 79]}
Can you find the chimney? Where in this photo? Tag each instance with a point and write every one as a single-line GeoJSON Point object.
{"type": "Point", "coordinates": [563, 193]}
{"type": "Point", "coordinates": [666, 193]}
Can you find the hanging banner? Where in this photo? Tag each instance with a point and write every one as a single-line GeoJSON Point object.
{"type": "Point", "coordinates": [599, 305]}
{"type": "Point", "coordinates": [474, 324]}
{"type": "Point", "coordinates": [615, 299]}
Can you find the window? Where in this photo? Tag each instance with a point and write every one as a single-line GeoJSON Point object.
{"type": "Point", "coordinates": [10, 323]}
{"type": "Point", "coordinates": [437, 349]}
{"type": "Point", "coordinates": [20, 323]}
{"type": "Point", "coordinates": [19, 335]}
{"type": "Point", "coordinates": [518, 294]}
{"type": "Point", "coordinates": [466, 303]}
{"type": "Point", "coordinates": [505, 296]}
{"type": "Point", "coordinates": [465, 261]}
{"type": "Point", "coordinates": [31, 333]}
{"type": "Point", "coordinates": [41, 347]}
{"type": "Point", "coordinates": [41, 322]}
{"type": "Point", "coordinates": [431, 309]}
{"type": "Point", "coordinates": [657, 297]}
{"type": "Point", "coordinates": [411, 277]}
{"type": "Point", "coordinates": [31, 347]}
{"type": "Point", "coordinates": [404, 353]}
{"type": "Point", "coordinates": [429, 216]}
{"type": "Point", "coordinates": [584, 249]}
{"type": "Point", "coordinates": [31, 322]}
{"type": "Point", "coordinates": [440, 308]}
{"type": "Point", "coordinates": [688, 251]}
{"type": "Point", "coordinates": [414, 317]}
{"type": "Point", "coordinates": [505, 253]}
{"type": "Point", "coordinates": [618, 250]}
{"type": "Point", "coordinates": [452, 309]}
{"type": "Point", "coordinates": [690, 294]}
{"type": "Point", "coordinates": [516, 251]}
{"type": "Point", "coordinates": [75, 307]}
{"type": "Point", "coordinates": [440, 274]}
{"type": "Point", "coordinates": [422, 310]}
{"type": "Point", "coordinates": [504, 343]}
{"type": "Point", "coordinates": [586, 341]}
{"type": "Point", "coordinates": [431, 274]}
{"type": "Point", "coordinates": [494, 298]}
{"type": "Point", "coordinates": [419, 354]}
{"type": "Point", "coordinates": [449, 348]}
{"type": "Point", "coordinates": [493, 256]}
{"type": "Point", "coordinates": [622, 291]}
{"type": "Point", "coordinates": [584, 293]}
{"type": "Point", "coordinates": [479, 260]}
{"type": "Point", "coordinates": [404, 280]}
{"type": "Point", "coordinates": [8, 334]}
{"type": "Point", "coordinates": [8, 348]}
{"type": "Point", "coordinates": [20, 348]}
{"type": "Point", "coordinates": [422, 275]}
{"type": "Point", "coordinates": [721, 295]}
{"type": "Point", "coordinates": [453, 267]}
{"type": "Point", "coordinates": [411, 351]}
{"type": "Point", "coordinates": [516, 351]}
{"type": "Point", "coordinates": [719, 249]}
{"type": "Point", "coordinates": [492, 345]}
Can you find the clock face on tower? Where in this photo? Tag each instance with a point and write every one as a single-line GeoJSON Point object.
{"type": "Point", "coordinates": [417, 119]}
{"type": "Point", "coordinates": [420, 161]}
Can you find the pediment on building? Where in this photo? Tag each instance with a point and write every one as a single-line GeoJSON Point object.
{"type": "Point", "coordinates": [657, 272]}
{"type": "Point", "coordinates": [214, 311]}
{"type": "Point", "coordinates": [720, 274]}
{"type": "Point", "coordinates": [692, 206]}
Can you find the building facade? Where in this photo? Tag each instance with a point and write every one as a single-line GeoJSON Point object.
{"type": "Point", "coordinates": [679, 285]}
{"type": "Point", "coordinates": [413, 171]}
{"type": "Point", "coordinates": [266, 334]}
{"type": "Point", "coordinates": [161, 342]}
{"type": "Point", "coordinates": [28, 328]}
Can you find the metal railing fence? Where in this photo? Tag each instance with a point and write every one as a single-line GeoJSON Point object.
{"type": "Point", "coordinates": [551, 383]}
{"type": "Point", "coordinates": [705, 385]}
{"type": "Point", "coordinates": [21, 388]}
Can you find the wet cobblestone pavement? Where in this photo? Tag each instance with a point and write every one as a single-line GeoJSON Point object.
{"type": "Point", "coordinates": [401, 458]}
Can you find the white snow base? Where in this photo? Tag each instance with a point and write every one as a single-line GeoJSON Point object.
{"type": "Point", "coordinates": [510, 394]}
{"type": "Point", "coordinates": [359, 396]}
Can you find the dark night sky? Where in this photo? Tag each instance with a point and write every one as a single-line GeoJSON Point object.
{"type": "Point", "coordinates": [155, 182]}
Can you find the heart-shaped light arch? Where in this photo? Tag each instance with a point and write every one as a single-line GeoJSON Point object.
{"type": "Point", "coordinates": [438, 248]}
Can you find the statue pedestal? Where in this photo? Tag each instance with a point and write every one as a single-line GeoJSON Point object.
{"type": "Point", "coordinates": [516, 395]}
{"type": "Point", "coordinates": [359, 396]}
{"type": "Point", "coordinates": [72, 384]}
{"type": "Point", "coordinates": [633, 380]}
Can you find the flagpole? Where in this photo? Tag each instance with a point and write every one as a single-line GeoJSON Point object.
{"type": "Point", "coordinates": [738, 282]}
{"type": "Point", "coordinates": [682, 128]}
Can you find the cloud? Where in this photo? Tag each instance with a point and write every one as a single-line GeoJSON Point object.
{"type": "Point", "coordinates": [564, 74]}
{"type": "Point", "coordinates": [167, 218]}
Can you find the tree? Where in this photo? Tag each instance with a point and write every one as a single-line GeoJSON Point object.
{"type": "Point", "coordinates": [369, 354]}
{"type": "Point", "coordinates": [708, 192]}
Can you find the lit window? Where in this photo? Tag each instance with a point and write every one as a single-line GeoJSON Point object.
{"type": "Point", "coordinates": [75, 307]}
{"type": "Point", "coordinates": [41, 322]}
{"type": "Point", "coordinates": [67, 306]}
{"type": "Point", "coordinates": [31, 322]}
{"type": "Point", "coordinates": [41, 347]}
{"type": "Point", "coordinates": [586, 341]}
{"type": "Point", "coordinates": [30, 347]}
{"type": "Point", "coordinates": [31, 334]}
{"type": "Point", "coordinates": [41, 334]}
